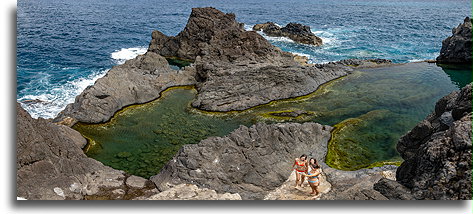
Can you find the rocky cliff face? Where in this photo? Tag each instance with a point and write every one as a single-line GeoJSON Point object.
{"type": "Point", "coordinates": [457, 48]}
{"type": "Point", "coordinates": [137, 81]}
{"type": "Point", "coordinates": [437, 154]}
{"type": "Point", "coordinates": [297, 32]}
{"type": "Point", "coordinates": [249, 161]}
{"type": "Point", "coordinates": [51, 166]}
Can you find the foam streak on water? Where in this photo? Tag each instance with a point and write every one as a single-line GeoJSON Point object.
{"type": "Point", "coordinates": [124, 54]}
{"type": "Point", "coordinates": [47, 101]}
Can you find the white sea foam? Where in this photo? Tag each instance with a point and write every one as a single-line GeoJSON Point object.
{"type": "Point", "coordinates": [48, 100]}
{"type": "Point", "coordinates": [124, 54]}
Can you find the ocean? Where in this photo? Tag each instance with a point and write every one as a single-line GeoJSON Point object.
{"type": "Point", "coordinates": [64, 46]}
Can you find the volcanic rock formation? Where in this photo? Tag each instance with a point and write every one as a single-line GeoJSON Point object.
{"type": "Point", "coordinates": [437, 154]}
{"type": "Point", "coordinates": [51, 166]}
{"type": "Point", "coordinates": [457, 48]}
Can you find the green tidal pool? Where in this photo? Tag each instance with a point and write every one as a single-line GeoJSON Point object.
{"type": "Point", "coordinates": [370, 110]}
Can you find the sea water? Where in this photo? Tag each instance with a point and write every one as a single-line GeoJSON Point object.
{"type": "Point", "coordinates": [64, 46]}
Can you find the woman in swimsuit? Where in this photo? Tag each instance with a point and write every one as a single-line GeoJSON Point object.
{"type": "Point", "coordinates": [301, 167]}
{"type": "Point", "coordinates": [313, 176]}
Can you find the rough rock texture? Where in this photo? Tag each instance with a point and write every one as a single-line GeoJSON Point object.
{"type": "Point", "coordinates": [437, 152]}
{"type": "Point", "coordinates": [226, 87]}
{"type": "Point", "coordinates": [191, 192]}
{"type": "Point", "coordinates": [51, 166]}
{"type": "Point", "coordinates": [364, 63]}
{"type": "Point", "coordinates": [457, 48]}
{"type": "Point", "coordinates": [297, 32]}
{"type": "Point", "coordinates": [137, 81]}
{"type": "Point", "coordinates": [210, 30]}
{"type": "Point", "coordinates": [356, 185]}
{"type": "Point", "coordinates": [249, 161]}
{"type": "Point", "coordinates": [238, 69]}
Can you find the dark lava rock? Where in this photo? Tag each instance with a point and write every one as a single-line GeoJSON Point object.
{"type": "Point", "coordinates": [51, 166]}
{"type": "Point", "coordinates": [437, 152]}
{"type": "Point", "coordinates": [238, 69]}
{"type": "Point", "coordinates": [364, 63]}
{"type": "Point", "coordinates": [249, 161]}
{"type": "Point", "coordinates": [297, 32]}
{"type": "Point", "coordinates": [457, 48]}
{"type": "Point", "coordinates": [139, 80]}
{"type": "Point", "coordinates": [211, 28]}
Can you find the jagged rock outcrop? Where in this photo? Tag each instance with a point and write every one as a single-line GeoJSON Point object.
{"type": "Point", "coordinates": [437, 153]}
{"type": "Point", "coordinates": [136, 81]}
{"type": "Point", "coordinates": [238, 69]}
{"type": "Point", "coordinates": [249, 161]}
{"type": "Point", "coordinates": [457, 48]}
{"type": "Point", "coordinates": [212, 32]}
{"type": "Point", "coordinates": [297, 32]}
{"type": "Point", "coordinates": [51, 166]}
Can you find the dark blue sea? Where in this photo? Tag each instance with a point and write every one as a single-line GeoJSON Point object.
{"type": "Point", "coordinates": [64, 46]}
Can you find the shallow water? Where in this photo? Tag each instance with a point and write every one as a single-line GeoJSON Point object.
{"type": "Point", "coordinates": [370, 109]}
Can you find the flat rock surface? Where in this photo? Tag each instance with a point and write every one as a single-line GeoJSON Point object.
{"type": "Point", "coordinates": [192, 192]}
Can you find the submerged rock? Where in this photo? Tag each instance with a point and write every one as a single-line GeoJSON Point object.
{"type": "Point", "coordinates": [137, 81]}
{"type": "Point", "coordinates": [457, 48]}
{"type": "Point", "coordinates": [297, 32]}
{"type": "Point", "coordinates": [437, 153]}
{"type": "Point", "coordinates": [51, 166]}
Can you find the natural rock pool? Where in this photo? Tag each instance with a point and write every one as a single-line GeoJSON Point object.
{"type": "Point", "coordinates": [370, 109]}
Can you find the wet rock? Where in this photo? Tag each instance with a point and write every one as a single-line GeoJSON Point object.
{"type": "Point", "coordinates": [437, 152]}
{"type": "Point", "coordinates": [51, 165]}
{"type": "Point", "coordinates": [261, 157]}
{"type": "Point", "coordinates": [137, 81]}
{"type": "Point", "coordinates": [297, 32]}
{"type": "Point", "coordinates": [364, 63]}
{"type": "Point", "coordinates": [457, 48]}
{"type": "Point", "coordinates": [295, 113]}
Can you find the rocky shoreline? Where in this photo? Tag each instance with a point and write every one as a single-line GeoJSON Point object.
{"type": "Point", "coordinates": [234, 69]}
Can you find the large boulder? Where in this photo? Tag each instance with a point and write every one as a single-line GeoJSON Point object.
{"type": "Point", "coordinates": [295, 31]}
{"type": "Point", "coordinates": [457, 48]}
{"type": "Point", "coordinates": [136, 81]}
{"type": "Point", "coordinates": [437, 153]}
{"type": "Point", "coordinates": [250, 161]}
{"type": "Point", "coordinates": [51, 166]}
{"type": "Point", "coordinates": [211, 28]}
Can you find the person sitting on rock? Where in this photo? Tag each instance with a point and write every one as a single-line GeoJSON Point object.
{"type": "Point", "coordinates": [301, 167]}
{"type": "Point", "coordinates": [313, 176]}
